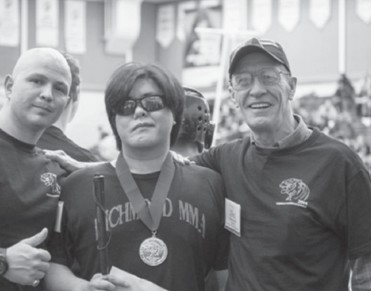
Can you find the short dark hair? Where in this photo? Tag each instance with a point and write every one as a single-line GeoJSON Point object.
{"type": "Point", "coordinates": [75, 75]}
{"type": "Point", "coordinates": [122, 81]}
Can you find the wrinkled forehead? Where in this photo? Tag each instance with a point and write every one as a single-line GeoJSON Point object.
{"type": "Point", "coordinates": [255, 61]}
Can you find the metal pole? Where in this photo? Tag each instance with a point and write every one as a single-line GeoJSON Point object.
{"type": "Point", "coordinates": [219, 85]}
{"type": "Point", "coordinates": [24, 26]}
{"type": "Point", "coordinates": [342, 36]}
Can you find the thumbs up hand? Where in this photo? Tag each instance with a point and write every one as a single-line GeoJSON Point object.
{"type": "Point", "coordinates": [27, 263]}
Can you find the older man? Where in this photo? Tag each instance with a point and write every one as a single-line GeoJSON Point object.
{"type": "Point", "coordinates": [298, 201]}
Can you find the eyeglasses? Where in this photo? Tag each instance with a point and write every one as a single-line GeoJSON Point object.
{"type": "Point", "coordinates": [266, 77]}
{"type": "Point", "coordinates": [148, 103]}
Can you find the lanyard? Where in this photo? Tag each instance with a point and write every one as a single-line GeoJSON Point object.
{"type": "Point", "coordinates": [151, 213]}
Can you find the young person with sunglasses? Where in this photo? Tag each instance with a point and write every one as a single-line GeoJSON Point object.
{"type": "Point", "coordinates": [165, 220]}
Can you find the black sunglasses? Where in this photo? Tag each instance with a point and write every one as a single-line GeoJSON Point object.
{"type": "Point", "coordinates": [148, 103]}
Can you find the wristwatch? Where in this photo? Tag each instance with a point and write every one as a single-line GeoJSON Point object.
{"type": "Point", "coordinates": [3, 263]}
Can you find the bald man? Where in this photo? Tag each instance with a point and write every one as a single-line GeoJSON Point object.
{"type": "Point", "coordinates": [36, 94]}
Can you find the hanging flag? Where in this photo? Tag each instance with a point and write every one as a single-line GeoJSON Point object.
{"type": "Point", "coordinates": [122, 26]}
{"type": "Point", "coordinates": [47, 25]}
{"type": "Point", "coordinates": [289, 13]}
{"type": "Point", "coordinates": [235, 14]}
{"type": "Point", "coordinates": [319, 12]}
{"type": "Point", "coordinates": [363, 8]}
{"type": "Point", "coordinates": [165, 29]}
{"type": "Point", "coordinates": [9, 23]}
{"type": "Point", "coordinates": [261, 15]}
{"type": "Point", "coordinates": [75, 26]}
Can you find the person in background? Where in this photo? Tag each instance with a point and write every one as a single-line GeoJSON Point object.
{"type": "Point", "coordinates": [196, 131]}
{"type": "Point", "coordinates": [105, 148]}
{"type": "Point", "coordinates": [196, 135]}
{"type": "Point", "coordinates": [35, 96]}
{"type": "Point", "coordinates": [165, 219]}
{"type": "Point", "coordinates": [298, 200]}
{"type": "Point", "coordinates": [54, 138]}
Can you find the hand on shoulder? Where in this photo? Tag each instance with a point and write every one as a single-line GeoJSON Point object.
{"type": "Point", "coordinates": [67, 162]}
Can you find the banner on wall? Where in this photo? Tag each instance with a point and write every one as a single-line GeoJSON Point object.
{"type": "Point", "coordinates": [235, 15]}
{"type": "Point", "coordinates": [319, 12]}
{"type": "Point", "coordinates": [289, 14]}
{"type": "Point", "coordinates": [122, 26]}
{"type": "Point", "coordinates": [261, 15]}
{"type": "Point", "coordinates": [202, 49]}
{"type": "Point", "coordinates": [47, 25]}
{"type": "Point", "coordinates": [75, 26]}
{"type": "Point", "coordinates": [165, 29]}
{"type": "Point", "coordinates": [9, 23]}
{"type": "Point", "coordinates": [363, 8]}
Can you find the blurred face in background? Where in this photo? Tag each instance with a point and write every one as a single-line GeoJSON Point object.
{"type": "Point", "coordinates": [263, 89]}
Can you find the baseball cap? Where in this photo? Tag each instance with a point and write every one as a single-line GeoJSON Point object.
{"type": "Point", "coordinates": [269, 47]}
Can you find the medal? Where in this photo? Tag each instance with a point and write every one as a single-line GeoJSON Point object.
{"type": "Point", "coordinates": [153, 251]}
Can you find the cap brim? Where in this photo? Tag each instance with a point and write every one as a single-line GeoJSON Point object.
{"type": "Point", "coordinates": [247, 50]}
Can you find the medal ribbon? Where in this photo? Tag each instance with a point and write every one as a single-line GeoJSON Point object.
{"type": "Point", "coordinates": [149, 214]}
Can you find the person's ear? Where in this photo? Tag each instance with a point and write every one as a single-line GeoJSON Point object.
{"type": "Point", "coordinates": [232, 93]}
{"type": "Point", "coordinates": [292, 84]}
{"type": "Point", "coordinates": [8, 85]}
{"type": "Point", "coordinates": [74, 105]}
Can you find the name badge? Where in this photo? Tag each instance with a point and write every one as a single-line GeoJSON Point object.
{"type": "Point", "coordinates": [232, 217]}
